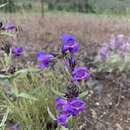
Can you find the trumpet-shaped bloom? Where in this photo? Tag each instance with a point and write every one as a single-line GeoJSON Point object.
{"type": "Point", "coordinates": [80, 73]}
{"type": "Point", "coordinates": [44, 59]}
{"type": "Point", "coordinates": [62, 120]}
{"type": "Point", "coordinates": [76, 106]}
{"type": "Point", "coordinates": [17, 51]}
{"type": "Point", "coordinates": [10, 26]}
{"type": "Point", "coordinates": [60, 103]}
{"type": "Point", "coordinates": [69, 43]}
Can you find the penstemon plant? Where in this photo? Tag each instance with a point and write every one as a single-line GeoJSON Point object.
{"type": "Point", "coordinates": [69, 106]}
{"type": "Point", "coordinates": [28, 93]}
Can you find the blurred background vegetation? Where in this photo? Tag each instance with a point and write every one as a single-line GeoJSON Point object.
{"type": "Point", "coordinates": [85, 6]}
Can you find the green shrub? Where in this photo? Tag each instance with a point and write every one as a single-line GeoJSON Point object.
{"type": "Point", "coordinates": [27, 6]}
{"type": "Point", "coordinates": [10, 7]}
{"type": "Point", "coordinates": [111, 6]}
{"type": "Point", "coordinates": [93, 6]}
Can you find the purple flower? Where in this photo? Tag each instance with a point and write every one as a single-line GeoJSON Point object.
{"type": "Point", "coordinates": [10, 26]}
{"type": "Point", "coordinates": [60, 103]}
{"type": "Point", "coordinates": [103, 52]}
{"type": "Point", "coordinates": [125, 47]}
{"type": "Point", "coordinates": [69, 43]}
{"type": "Point", "coordinates": [80, 73]}
{"type": "Point", "coordinates": [62, 120]}
{"type": "Point", "coordinates": [72, 107]}
{"type": "Point", "coordinates": [17, 51]}
{"type": "Point", "coordinates": [76, 106]}
{"type": "Point", "coordinates": [44, 59]}
{"type": "Point", "coordinates": [117, 42]}
{"type": "Point", "coordinates": [13, 127]}
{"type": "Point", "coordinates": [67, 108]}
{"type": "Point", "coordinates": [68, 37]}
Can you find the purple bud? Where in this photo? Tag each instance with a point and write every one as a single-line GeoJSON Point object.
{"type": "Point", "coordinates": [10, 26]}
{"type": "Point", "coordinates": [44, 59]}
{"type": "Point", "coordinates": [103, 52]}
{"type": "Point", "coordinates": [69, 43]}
{"type": "Point", "coordinates": [17, 51]}
{"type": "Point", "coordinates": [60, 103]}
{"type": "Point", "coordinates": [62, 120]}
{"type": "Point", "coordinates": [80, 73]}
{"type": "Point", "coordinates": [70, 63]}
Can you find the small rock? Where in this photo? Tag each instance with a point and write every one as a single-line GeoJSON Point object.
{"type": "Point", "coordinates": [118, 127]}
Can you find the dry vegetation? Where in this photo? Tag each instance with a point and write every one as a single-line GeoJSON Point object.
{"type": "Point", "coordinates": [88, 28]}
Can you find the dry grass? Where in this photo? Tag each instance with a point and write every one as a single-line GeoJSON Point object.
{"type": "Point", "coordinates": [88, 28]}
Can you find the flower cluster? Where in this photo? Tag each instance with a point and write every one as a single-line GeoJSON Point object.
{"type": "Point", "coordinates": [117, 46]}
{"type": "Point", "coordinates": [71, 105]}
{"type": "Point", "coordinates": [68, 108]}
{"type": "Point", "coordinates": [7, 48]}
{"type": "Point", "coordinates": [71, 45]}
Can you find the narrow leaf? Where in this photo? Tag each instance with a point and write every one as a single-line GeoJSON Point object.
{"type": "Point", "coordinates": [25, 71]}
{"type": "Point", "coordinates": [70, 123]}
{"type": "Point", "coordinates": [57, 92]}
{"type": "Point", "coordinates": [3, 5]}
{"type": "Point", "coordinates": [7, 34]}
{"type": "Point", "coordinates": [24, 95]}
{"type": "Point", "coordinates": [4, 76]}
{"type": "Point", "coordinates": [63, 128]}
{"type": "Point", "coordinates": [82, 95]}
{"type": "Point", "coordinates": [50, 113]}
{"type": "Point", "coordinates": [2, 124]}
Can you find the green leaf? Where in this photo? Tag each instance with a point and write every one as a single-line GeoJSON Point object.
{"type": "Point", "coordinates": [63, 128]}
{"type": "Point", "coordinates": [57, 92]}
{"type": "Point", "coordinates": [50, 113]}
{"type": "Point", "coordinates": [5, 83]}
{"type": "Point", "coordinates": [70, 123]}
{"type": "Point", "coordinates": [24, 95]}
{"type": "Point", "coordinates": [3, 77]}
{"type": "Point", "coordinates": [7, 59]}
{"type": "Point", "coordinates": [3, 5]}
{"type": "Point", "coordinates": [25, 71]}
{"type": "Point", "coordinates": [7, 34]}
{"type": "Point", "coordinates": [83, 94]}
{"type": "Point", "coordinates": [18, 73]}
{"type": "Point", "coordinates": [2, 124]}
